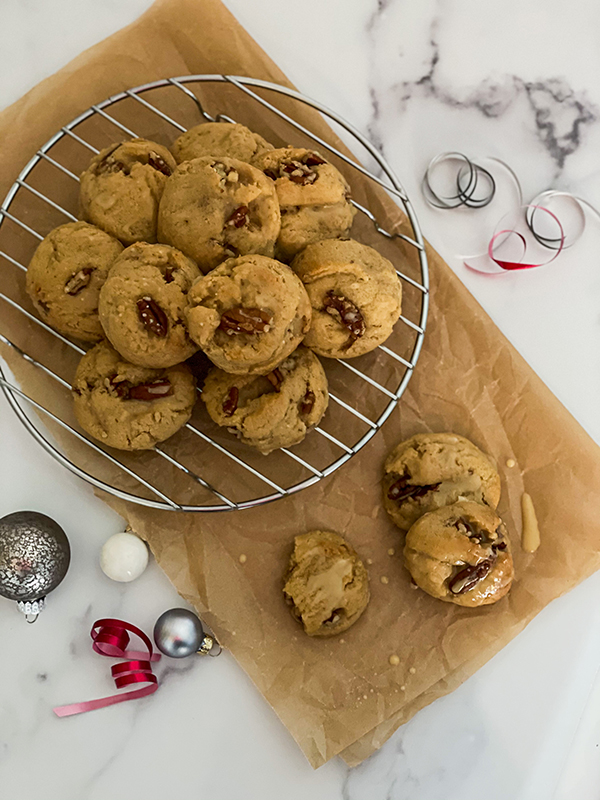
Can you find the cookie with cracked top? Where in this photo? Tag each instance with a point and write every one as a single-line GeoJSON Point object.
{"type": "Point", "coordinates": [127, 406]}
{"type": "Point", "coordinates": [314, 198]}
{"type": "Point", "coordinates": [270, 411]}
{"type": "Point", "coordinates": [213, 209]}
{"type": "Point", "coordinates": [460, 554]}
{"type": "Point", "coordinates": [65, 276]}
{"type": "Point", "coordinates": [248, 314]}
{"type": "Point", "coordinates": [121, 189]}
{"type": "Point", "coordinates": [355, 294]}
{"type": "Point", "coordinates": [219, 139]}
{"type": "Point", "coordinates": [143, 303]}
{"type": "Point", "coordinates": [431, 470]}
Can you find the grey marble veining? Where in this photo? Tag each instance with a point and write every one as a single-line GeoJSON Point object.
{"type": "Point", "coordinates": [517, 81]}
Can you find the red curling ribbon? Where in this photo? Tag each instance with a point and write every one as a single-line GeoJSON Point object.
{"type": "Point", "coordinates": [510, 264]}
{"type": "Point", "coordinates": [111, 639]}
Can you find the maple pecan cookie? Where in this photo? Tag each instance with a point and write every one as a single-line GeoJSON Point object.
{"type": "Point", "coordinates": [431, 470]}
{"type": "Point", "coordinates": [130, 407]}
{"type": "Point", "coordinates": [143, 303]}
{"type": "Point", "coordinates": [460, 554]}
{"type": "Point", "coordinates": [270, 411]}
{"type": "Point", "coordinates": [248, 314]}
{"type": "Point", "coordinates": [314, 198]}
{"type": "Point", "coordinates": [355, 294]}
{"type": "Point", "coordinates": [326, 585]}
{"type": "Point", "coordinates": [121, 189]}
{"type": "Point", "coordinates": [65, 276]}
{"type": "Point", "coordinates": [219, 139]}
{"type": "Point", "coordinates": [218, 208]}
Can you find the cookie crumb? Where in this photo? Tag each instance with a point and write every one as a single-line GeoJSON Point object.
{"type": "Point", "coordinates": [365, 697]}
{"type": "Point", "coordinates": [510, 463]}
{"type": "Point", "coordinates": [243, 558]}
{"type": "Point", "coordinates": [342, 641]}
{"type": "Point", "coordinates": [369, 561]}
{"type": "Point", "coordinates": [412, 670]}
{"type": "Point", "coordinates": [403, 688]}
{"type": "Point", "coordinates": [384, 579]}
{"type": "Point", "coordinates": [391, 551]}
{"type": "Point", "coordinates": [394, 660]}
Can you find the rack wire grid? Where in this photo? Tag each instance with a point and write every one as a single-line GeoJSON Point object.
{"type": "Point", "coordinates": [239, 478]}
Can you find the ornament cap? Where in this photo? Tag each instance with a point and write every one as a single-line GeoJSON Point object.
{"type": "Point", "coordinates": [32, 608]}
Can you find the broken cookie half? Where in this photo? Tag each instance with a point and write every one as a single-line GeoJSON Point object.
{"type": "Point", "coordinates": [326, 585]}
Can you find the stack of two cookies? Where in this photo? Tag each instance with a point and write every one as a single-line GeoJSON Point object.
{"type": "Point", "coordinates": [443, 491]}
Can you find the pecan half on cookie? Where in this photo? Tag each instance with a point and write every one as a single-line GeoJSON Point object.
{"type": "Point", "coordinates": [355, 295]}
{"type": "Point", "coordinates": [431, 470]}
{"type": "Point", "coordinates": [460, 554]}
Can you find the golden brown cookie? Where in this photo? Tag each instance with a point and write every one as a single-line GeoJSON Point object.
{"type": "Point", "coordinates": [248, 314]}
{"type": "Point", "coordinates": [219, 139]}
{"type": "Point", "coordinates": [143, 304]}
{"type": "Point", "coordinates": [217, 208]}
{"type": "Point", "coordinates": [130, 407]}
{"type": "Point", "coordinates": [121, 189]}
{"type": "Point", "coordinates": [270, 411]}
{"type": "Point", "coordinates": [327, 585]}
{"type": "Point", "coordinates": [65, 276]}
{"type": "Point", "coordinates": [355, 295]}
{"type": "Point", "coordinates": [431, 470]}
{"type": "Point", "coordinates": [314, 198]}
{"type": "Point", "coordinates": [460, 554]}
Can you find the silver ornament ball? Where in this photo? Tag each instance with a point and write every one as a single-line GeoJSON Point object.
{"type": "Point", "coordinates": [34, 556]}
{"type": "Point", "coordinates": [178, 633]}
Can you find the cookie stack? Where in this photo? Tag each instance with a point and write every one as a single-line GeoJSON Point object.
{"type": "Point", "coordinates": [443, 491]}
{"type": "Point", "coordinates": [223, 244]}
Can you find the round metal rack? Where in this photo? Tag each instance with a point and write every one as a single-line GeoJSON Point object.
{"type": "Point", "coordinates": [215, 472]}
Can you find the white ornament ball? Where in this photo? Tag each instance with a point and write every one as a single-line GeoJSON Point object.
{"type": "Point", "coordinates": [124, 557]}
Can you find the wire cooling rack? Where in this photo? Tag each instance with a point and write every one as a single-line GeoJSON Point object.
{"type": "Point", "coordinates": [210, 470]}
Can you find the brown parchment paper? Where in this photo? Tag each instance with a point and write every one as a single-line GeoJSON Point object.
{"type": "Point", "coordinates": [340, 696]}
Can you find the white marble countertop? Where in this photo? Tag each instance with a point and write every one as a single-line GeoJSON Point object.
{"type": "Point", "coordinates": [516, 80]}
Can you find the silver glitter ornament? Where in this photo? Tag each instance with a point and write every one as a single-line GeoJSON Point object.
{"type": "Point", "coordinates": [178, 633]}
{"type": "Point", "coordinates": [34, 558]}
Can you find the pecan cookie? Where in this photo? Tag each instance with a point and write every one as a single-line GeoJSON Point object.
{"type": "Point", "coordinates": [214, 209]}
{"type": "Point", "coordinates": [66, 274]}
{"type": "Point", "coordinates": [121, 189]}
{"type": "Point", "coordinates": [130, 407]}
{"type": "Point", "coordinates": [355, 295]}
{"type": "Point", "coordinates": [326, 585]}
{"type": "Point", "coordinates": [143, 303]}
{"type": "Point", "coordinates": [248, 314]}
{"type": "Point", "coordinates": [460, 554]}
{"type": "Point", "coordinates": [270, 411]}
{"type": "Point", "coordinates": [219, 139]}
{"type": "Point", "coordinates": [431, 470]}
{"type": "Point", "coordinates": [314, 198]}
